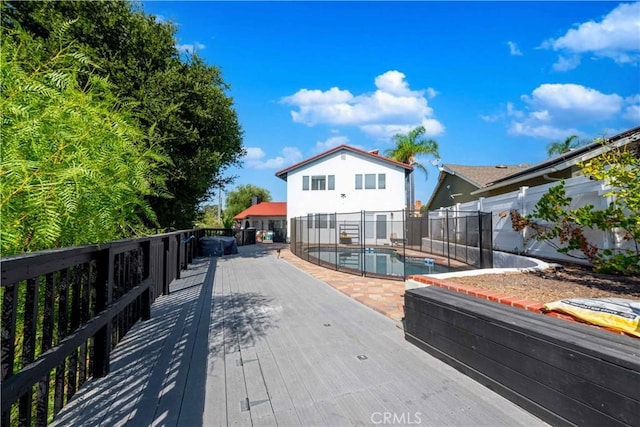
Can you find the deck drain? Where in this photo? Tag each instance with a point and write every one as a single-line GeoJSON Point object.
{"type": "Point", "coordinates": [244, 405]}
{"type": "Point", "coordinates": [362, 357]}
{"type": "Point", "coordinates": [327, 324]}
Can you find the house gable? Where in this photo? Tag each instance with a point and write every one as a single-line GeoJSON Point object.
{"type": "Point", "coordinates": [345, 179]}
{"type": "Point", "coordinates": [456, 183]}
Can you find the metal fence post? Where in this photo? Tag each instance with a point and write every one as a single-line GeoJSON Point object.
{"type": "Point", "coordinates": [336, 235]}
{"type": "Point", "coordinates": [480, 246]}
{"type": "Point", "coordinates": [448, 242]}
{"type": "Point", "coordinates": [362, 243]}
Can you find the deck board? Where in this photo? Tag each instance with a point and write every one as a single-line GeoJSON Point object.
{"type": "Point", "coordinates": [252, 340]}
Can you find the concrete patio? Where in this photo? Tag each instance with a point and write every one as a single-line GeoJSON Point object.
{"type": "Point", "coordinates": [251, 339]}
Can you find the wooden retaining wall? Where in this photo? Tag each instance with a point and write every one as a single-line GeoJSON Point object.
{"type": "Point", "coordinates": [565, 373]}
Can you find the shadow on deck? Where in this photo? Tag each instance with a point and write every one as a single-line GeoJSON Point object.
{"type": "Point", "coordinates": [251, 340]}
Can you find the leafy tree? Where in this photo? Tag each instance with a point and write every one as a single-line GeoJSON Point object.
{"type": "Point", "coordinates": [241, 198]}
{"type": "Point", "coordinates": [553, 218]}
{"type": "Point", "coordinates": [209, 217]}
{"type": "Point", "coordinates": [407, 147]}
{"type": "Point", "coordinates": [202, 133]}
{"type": "Point", "coordinates": [180, 102]}
{"type": "Point", "coordinates": [76, 168]}
{"type": "Point", "coordinates": [561, 147]}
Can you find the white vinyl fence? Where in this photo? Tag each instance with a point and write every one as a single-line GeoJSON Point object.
{"type": "Point", "coordinates": [582, 191]}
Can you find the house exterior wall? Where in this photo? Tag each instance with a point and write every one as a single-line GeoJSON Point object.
{"type": "Point", "coordinates": [344, 165]}
{"type": "Point", "coordinates": [459, 187]}
{"type": "Point", "coordinates": [262, 222]}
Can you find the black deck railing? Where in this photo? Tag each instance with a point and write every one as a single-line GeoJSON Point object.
{"type": "Point", "coordinates": [64, 310]}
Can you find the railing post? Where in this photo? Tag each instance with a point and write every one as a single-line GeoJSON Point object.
{"type": "Point", "coordinates": [178, 259]}
{"type": "Point", "coordinates": [104, 295]}
{"type": "Point", "coordinates": [166, 248]}
{"type": "Point", "coordinates": [145, 298]}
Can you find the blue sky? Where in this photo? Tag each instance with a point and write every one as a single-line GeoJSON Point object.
{"type": "Point", "coordinates": [492, 82]}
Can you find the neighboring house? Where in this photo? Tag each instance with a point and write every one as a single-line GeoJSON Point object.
{"type": "Point", "coordinates": [521, 190]}
{"type": "Point", "coordinates": [346, 179]}
{"type": "Point", "coordinates": [265, 217]}
{"type": "Point", "coordinates": [457, 183]}
{"type": "Point", "coordinates": [461, 184]}
{"type": "Point", "coordinates": [566, 165]}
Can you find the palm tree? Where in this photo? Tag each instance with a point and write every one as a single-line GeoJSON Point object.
{"type": "Point", "coordinates": [407, 148]}
{"type": "Point", "coordinates": [558, 147]}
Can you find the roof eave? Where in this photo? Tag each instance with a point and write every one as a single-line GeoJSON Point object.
{"type": "Point", "coordinates": [282, 174]}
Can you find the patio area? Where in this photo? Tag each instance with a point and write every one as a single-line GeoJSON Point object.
{"type": "Point", "coordinates": [251, 339]}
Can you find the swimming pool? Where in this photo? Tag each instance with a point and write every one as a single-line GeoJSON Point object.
{"type": "Point", "coordinates": [375, 261]}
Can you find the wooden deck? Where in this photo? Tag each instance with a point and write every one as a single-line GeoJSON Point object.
{"type": "Point", "coordinates": [251, 340]}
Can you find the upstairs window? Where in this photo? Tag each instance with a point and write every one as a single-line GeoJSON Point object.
{"type": "Point", "coordinates": [305, 183]}
{"type": "Point", "coordinates": [382, 181]}
{"type": "Point", "coordinates": [331, 182]}
{"type": "Point", "coordinates": [318, 182]}
{"type": "Point", "coordinates": [370, 181]}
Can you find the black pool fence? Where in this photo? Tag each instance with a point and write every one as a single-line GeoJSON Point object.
{"type": "Point", "coordinates": [392, 244]}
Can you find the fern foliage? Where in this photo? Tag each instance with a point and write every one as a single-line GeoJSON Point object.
{"type": "Point", "coordinates": [76, 167]}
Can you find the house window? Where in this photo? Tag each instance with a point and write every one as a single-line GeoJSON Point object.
{"type": "Point", "coordinates": [331, 184]}
{"type": "Point", "coordinates": [305, 183]}
{"type": "Point", "coordinates": [370, 181]}
{"type": "Point", "coordinates": [322, 220]}
{"type": "Point", "coordinates": [332, 221]}
{"type": "Point", "coordinates": [319, 182]}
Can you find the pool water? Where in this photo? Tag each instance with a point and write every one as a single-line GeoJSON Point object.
{"type": "Point", "coordinates": [378, 261]}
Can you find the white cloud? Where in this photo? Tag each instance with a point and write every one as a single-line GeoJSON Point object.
{"type": "Point", "coordinates": [190, 48]}
{"type": "Point", "coordinates": [255, 158]}
{"type": "Point", "coordinates": [632, 110]}
{"type": "Point", "coordinates": [566, 63]}
{"type": "Point", "coordinates": [331, 142]}
{"type": "Point", "coordinates": [491, 118]}
{"type": "Point", "coordinates": [553, 110]}
{"type": "Point", "coordinates": [615, 37]}
{"type": "Point", "coordinates": [632, 113]}
{"type": "Point", "coordinates": [513, 49]}
{"type": "Point", "coordinates": [254, 153]}
{"type": "Point", "coordinates": [512, 111]}
{"type": "Point", "coordinates": [391, 107]}
{"type": "Point", "coordinates": [541, 131]}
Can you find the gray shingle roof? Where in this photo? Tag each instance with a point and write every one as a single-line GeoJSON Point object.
{"type": "Point", "coordinates": [483, 175]}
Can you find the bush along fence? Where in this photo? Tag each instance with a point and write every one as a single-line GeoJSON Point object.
{"type": "Point", "coordinates": [64, 310]}
{"type": "Point", "coordinates": [391, 244]}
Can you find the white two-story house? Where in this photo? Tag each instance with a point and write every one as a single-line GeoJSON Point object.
{"type": "Point", "coordinates": [344, 180]}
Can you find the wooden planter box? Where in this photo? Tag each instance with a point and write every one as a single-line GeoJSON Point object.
{"type": "Point", "coordinates": [564, 372]}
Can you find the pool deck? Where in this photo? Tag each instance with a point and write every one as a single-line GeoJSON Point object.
{"type": "Point", "coordinates": [252, 339]}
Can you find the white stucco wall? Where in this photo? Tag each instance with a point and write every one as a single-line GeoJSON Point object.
{"type": "Point", "coordinates": [344, 165]}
